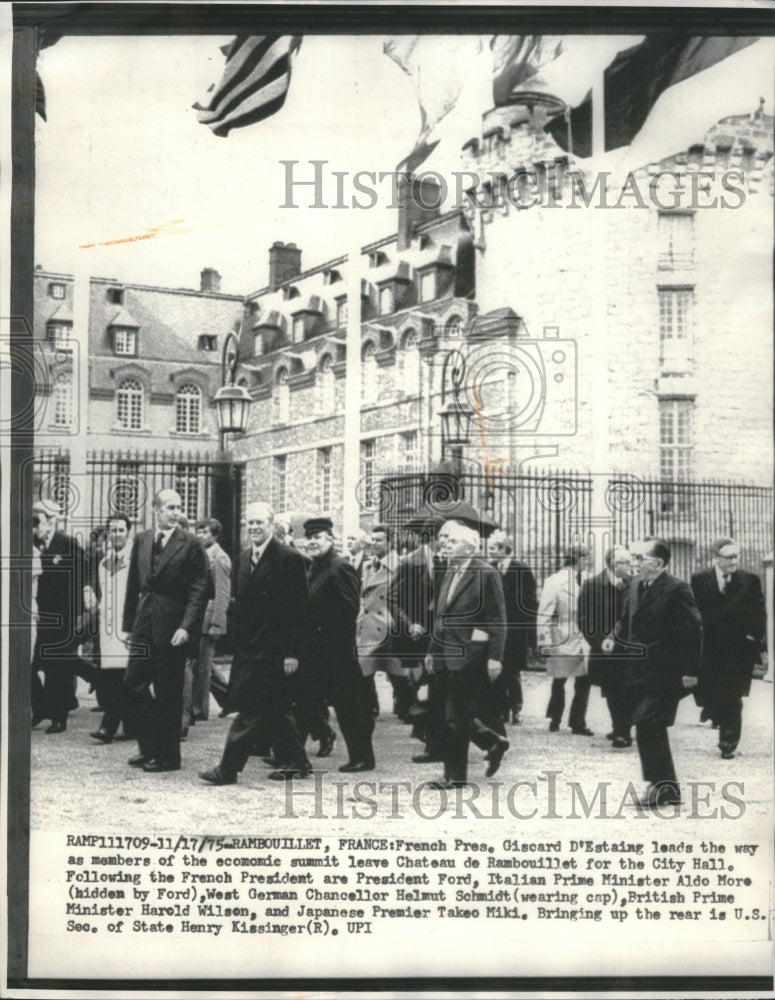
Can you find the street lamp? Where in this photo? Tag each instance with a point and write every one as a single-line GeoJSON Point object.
{"type": "Point", "coordinates": [455, 414]}
{"type": "Point", "coordinates": [232, 402]}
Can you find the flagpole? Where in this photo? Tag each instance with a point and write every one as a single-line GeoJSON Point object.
{"type": "Point", "coordinates": [352, 394]}
{"type": "Point", "coordinates": [597, 377]}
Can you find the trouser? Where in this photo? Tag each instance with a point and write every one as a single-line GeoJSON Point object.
{"type": "Point", "coordinates": [269, 715]}
{"type": "Point", "coordinates": [310, 709]}
{"type": "Point", "coordinates": [111, 694]}
{"type": "Point", "coordinates": [464, 694]}
{"type": "Point", "coordinates": [621, 713]}
{"type": "Point", "coordinates": [508, 687]}
{"type": "Point", "coordinates": [355, 723]}
{"type": "Point", "coordinates": [655, 756]}
{"type": "Point", "coordinates": [154, 715]}
{"type": "Point", "coordinates": [54, 697]}
{"type": "Point", "coordinates": [726, 711]}
{"type": "Point", "coordinates": [196, 691]}
{"type": "Point", "coordinates": [577, 717]}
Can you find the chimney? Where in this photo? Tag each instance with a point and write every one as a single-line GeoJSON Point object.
{"type": "Point", "coordinates": [419, 200]}
{"type": "Point", "coordinates": [284, 264]}
{"type": "Point", "coordinates": [209, 280]}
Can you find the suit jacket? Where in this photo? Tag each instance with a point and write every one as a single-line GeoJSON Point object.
{"type": "Point", "coordinates": [734, 624]}
{"type": "Point", "coordinates": [661, 637]}
{"type": "Point", "coordinates": [64, 572]}
{"type": "Point", "coordinates": [470, 626]}
{"type": "Point", "coordinates": [558, 626]}
{"type": "Point", "coordinates": [601, 605]}
{"type": "Point", "coordinates": [334, 594]}
{"type": "Point", "coordinates": [519, 593]}
{"type": "Point", "coordinates": [270, 618]}
{"type": "Point", "coordinates": [159, 601]}
{"type": "Point", "coordinates": [220, 577]}
{"type": "Point", "coordinates": [411, 600]}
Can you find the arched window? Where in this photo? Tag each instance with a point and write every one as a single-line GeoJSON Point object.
{"type": "Point", "coordinates": [326, 388]}
{"type": "Point", "coordinates": [369, 375]}
{"type": "Point", "coordinates": [188, 409]}
{"type": "Point", "coordinates": [63, 400]}
{"type": "Point", "coordinates": [409, 364]}
{"type": "Point", "coordinates": [282, 397]}
{"type": "Point", "coordinates": [130, 405]}
{"type": "Point", "coordinates": [454, 327]}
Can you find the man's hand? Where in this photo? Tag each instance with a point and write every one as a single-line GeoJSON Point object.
{"type": "Point", "coordinates": [416, 674]}
{"type": "Point", "coordinates": [416, 631]}
{"type": "Point", "coordinates": [494, 669]}
{"type": "Point", "coordinates": [689, 682]}
{"type": "Point", "coordinates": [290, 665]}
{"type": "Point", "coordinates": [215, 631]}
{"type": "Point", "coordinates": [89, 599]}
{"type": "Point", "coordinates": [608, 645]}
{"type": "Point", "coordinates": [180, 638]}
{"type": "Point", "coordinates": [429, 664]}
{"type": "Point", "coordinates": [544, 651]}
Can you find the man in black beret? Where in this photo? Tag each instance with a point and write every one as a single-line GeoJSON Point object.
{"type": "Point", "coordinates": [334, 596]}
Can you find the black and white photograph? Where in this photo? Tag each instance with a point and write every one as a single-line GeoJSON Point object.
{"type": "Point", "coordinates": [387, 499]}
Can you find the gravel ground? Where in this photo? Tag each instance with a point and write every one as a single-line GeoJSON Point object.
{"type": "Point", "coordinates": [81, 786]}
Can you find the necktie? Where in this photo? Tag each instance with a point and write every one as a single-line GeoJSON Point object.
{"type": "Point", "coordinates": [376, 564]}
{"type": "Point", "coordinates": [725, 582]}
{"type": "Point", "coordinates": [156, 550]}
{"type": "Point", "coordinates": [254, 558]}
{"type": "Point", "coordinates": [578, 578]}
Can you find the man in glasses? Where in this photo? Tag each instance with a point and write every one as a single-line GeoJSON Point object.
{"type": "Point", "coordinates": [660, 635]}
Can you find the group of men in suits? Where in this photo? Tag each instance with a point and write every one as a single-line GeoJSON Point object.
{"type": "Point", "coordinates": [458, 625]}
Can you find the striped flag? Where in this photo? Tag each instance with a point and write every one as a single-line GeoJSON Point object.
{"type": "Point", "coordinates": [254, 84]}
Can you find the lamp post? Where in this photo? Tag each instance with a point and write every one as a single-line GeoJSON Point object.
{"type": "Point", "coordinates": [455, 414]}
{"type": "Point", "coordinates": [232, 403]}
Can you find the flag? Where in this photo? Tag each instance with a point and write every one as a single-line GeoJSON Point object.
{"type": "Point", "coordinates": [517, 61]}
{"type": "Point", "coordinates": [46, 38]}
{"type": "Point", "coordinates": [634, 82]}
{"type": "Point", "coordinates": [254, 84]}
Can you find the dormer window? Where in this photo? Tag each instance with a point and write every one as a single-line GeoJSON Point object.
{"type": "Point", "coordinates": [59, 335]}
{"type": "Point", "coordinates": [331, 276]}
{"type": "Point", "coordinates": [341, 314]}
{"type": "Point", "coordinates": [56, 290]}
{"type": "Point", "coordinates": [428, 286]}
{"type": "Point", "coordinates": [115, 296]}
{"type": "Point", "coordinates": [290, 292]}
{"type": "Point", "coordinates": [124, 341]}
{"type": "Point", "coordinates": [386, 300]}
{"type": "Point", "coordinates": [298, 328]}
{"type": "Point", "coordinates": [208, 342]}
{"type": "Point", "coordinates": [377, 258]}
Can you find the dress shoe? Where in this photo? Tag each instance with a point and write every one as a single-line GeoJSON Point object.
{"type": "Point", "coordinates": [184, 733]}
{"type": "Point", "coordinates": [102, 735]}
{"type": "Point", "coordinates": [516, 719]}
{"type": "Point", "coordinates": [288, 773]}
{"type": "Point", "coordinates": [660, 795]}
{"type": "Point", "coordinates": [357, 767]}
{"type": "Point", "coordinates": [582, 731]}
{"type": "Point", "coordinates": [427, 758]}
{"type": "Point", "coordinates": [495, 756]}
{"type": "Point", "coordinates": [727, 754]}
{"type": "Point", "coordinates": [326, 745]}
{"type": "Point", "coordinates": [57, 727]}
{"type": "Point", "coordinates": [443, 785]}
{"type": "Point", "coordinates": [554, 726]}
{"type": "Point", "coordinates": [37, 719]}
{"type": "Point", "coordinates": [218, 777]}
{"type": "Point", "coordinates": [611, 735]}
{"type": "Point", "coordinates": [160, 766]}
{"type": "Point", "coordinates": [140, 760]}
{"type": "Point", "coordinates": [620, 742]}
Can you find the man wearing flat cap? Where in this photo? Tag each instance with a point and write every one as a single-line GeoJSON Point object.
{"type": "Point", "coordinates": [64, 592]}
{"type": "Point", "coordinates": [334, 594]}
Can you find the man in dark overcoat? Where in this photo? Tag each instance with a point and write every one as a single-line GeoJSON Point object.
{"type": "Point", "coordinates": [165, 599]}
{"type": "Point", "coordinates": [334, 594]}
{"type": "Point", "coordinates": [734, 620]}
{"type": "Point", "coordinates": [660, 634]}
{"type": "Point", "coordinates": [270, 622]}
{"type": "Point", "coordinates": [466, 651]}
{"type": "Point", "coordinates": [520, 595]}
{"type": "Point", "coordinates": [64, 592]}
{"type": "Point", "coordinates": [601, 603]}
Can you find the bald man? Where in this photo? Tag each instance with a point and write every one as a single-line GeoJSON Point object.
{"type": "Point", "coordinates": [165, 601]}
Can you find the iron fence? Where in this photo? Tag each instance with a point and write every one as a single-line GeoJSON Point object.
{"type": "Point", "coordinates": [544, 513]}
{"type": "Point", "coordinates": [126, 481]}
